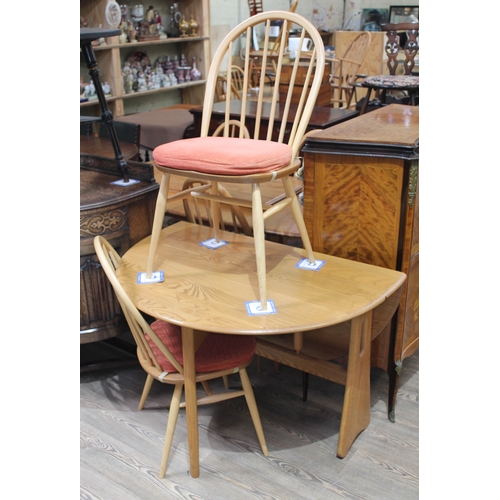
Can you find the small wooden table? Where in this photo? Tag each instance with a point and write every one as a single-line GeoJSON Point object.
{"type": "Point", "coordinates": [321, 118]}
{"type": "Point", "coordinates": [205, 291]}
{"type": "Point", "coordinates": [90, 145]}
{"type": "Point", "coordinates": [361, 202]}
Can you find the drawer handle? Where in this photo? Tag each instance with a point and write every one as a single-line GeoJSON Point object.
{"type": "Point", "coordinates": [412, 184]}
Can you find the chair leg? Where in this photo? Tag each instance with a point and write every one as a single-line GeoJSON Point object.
{"type": "Point", "coordinates": [225, 378]}
{"type": "Point", "coordinates": [161, 205]}
{"type": "Point", "coordinates": [299, 219]}
{"type": "Point", "coordinates": [172, 420]}
{"type": "Point", "coordinates": [214, 208]}
{"type": "Point", "coordinates": [254, 412]}
{"type": "Point", "coordinates": [145, 391]}
{"type": "Point", "coordinates": [259, 241]}
{"type": "Point", "coordinates": [206, 387]}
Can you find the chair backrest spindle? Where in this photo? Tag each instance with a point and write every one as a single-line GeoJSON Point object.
{"type": "Point", "coordinates": [284, 101]}
{"type": "Point", "coordinates": [393, 44]}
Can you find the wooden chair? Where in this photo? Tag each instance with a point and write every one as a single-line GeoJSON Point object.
{"type": "Point", "coordinates": [385, 84]}
{"type": "Point", "coordinates": [159, 350]}
{"type": "Point", "coordinates": [345, 70]}
{"type": "Point", "coordinates": [237, 84]}
{"type": "Point", "coordinates": [255, 7]}
{"type": "Point", "coordinates": [249, 161]}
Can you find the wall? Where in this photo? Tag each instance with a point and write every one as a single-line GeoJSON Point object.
{"type": "Point", "coordinates": [325, 14]}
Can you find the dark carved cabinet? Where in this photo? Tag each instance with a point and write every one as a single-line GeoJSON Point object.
{"type": "Point", "coordinates": [124, 216]}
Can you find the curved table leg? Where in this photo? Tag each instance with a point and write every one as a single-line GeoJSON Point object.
{"type": "Point", "coordinates": [356, 408]}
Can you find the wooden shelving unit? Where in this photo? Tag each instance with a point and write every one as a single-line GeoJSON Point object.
{"type": "Point", "coordinates": [112, 56]}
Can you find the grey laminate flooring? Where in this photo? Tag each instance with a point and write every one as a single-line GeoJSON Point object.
{"type": "Point", "coordinates": [121, 446]}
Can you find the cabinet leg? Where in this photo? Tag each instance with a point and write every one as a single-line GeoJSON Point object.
{"type": "Point", "coordinates": [305, 385]}
{"type": "Point", "coordinates": [394, 374]}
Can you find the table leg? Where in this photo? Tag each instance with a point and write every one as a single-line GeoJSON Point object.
{"type": "Point", "coordinates": [365, 103]}
{"type": "Point", "coordinates": [356, 408]}
{"type": "Point", "coordinates": [107, 116]}
{"type": "Point", "coordinates": [188, 350]}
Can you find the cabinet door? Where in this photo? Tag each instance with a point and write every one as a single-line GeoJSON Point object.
{"type": "Point", "coordinates": [352, 207]}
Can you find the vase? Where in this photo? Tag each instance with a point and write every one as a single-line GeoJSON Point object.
{"type": "Point", "coordinates": [194, 26]}
{"type": "Point", "coordinates": [184, 26]}
{"type": "Point", "coordinates": [195, 72]}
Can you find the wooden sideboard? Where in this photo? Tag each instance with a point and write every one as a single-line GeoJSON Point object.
{"type": "Point", "coordinates": [361, 203]}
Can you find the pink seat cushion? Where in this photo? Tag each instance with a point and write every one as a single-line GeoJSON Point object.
{"type": "Point", "coordinates": [218, 352]}
{"type": "Point", "coordinates": [223, 155]}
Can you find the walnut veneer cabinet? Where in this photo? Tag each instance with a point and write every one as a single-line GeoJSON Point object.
{"type": "Point", "coordinates": [361, 203]}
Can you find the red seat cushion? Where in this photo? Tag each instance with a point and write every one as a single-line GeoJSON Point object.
{"type": "Point", "coordinates": [218, 352]}
{"type": "Point", "coordinates": [223, 155]}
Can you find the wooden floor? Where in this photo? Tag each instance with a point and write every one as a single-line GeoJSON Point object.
{"type": "Point", "coordinates": [121, 446]}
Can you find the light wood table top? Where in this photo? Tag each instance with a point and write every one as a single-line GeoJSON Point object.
{"type": "Point", "coordinates": [207, 289]}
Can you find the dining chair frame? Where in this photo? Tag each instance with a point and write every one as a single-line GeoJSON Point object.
{"type": "Point", "coordinates": [141, 330]}
{"type": "Point", "coordinates": [304, 87]}
{"type": "Point", "coordinates": [345, 70]}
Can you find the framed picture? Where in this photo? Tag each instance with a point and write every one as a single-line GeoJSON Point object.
{"type": "Point", "coordinates": [372, 19]}
{"type": "Point", "coordinates": [403, 14]}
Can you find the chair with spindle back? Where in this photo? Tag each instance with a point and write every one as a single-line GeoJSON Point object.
{"type": "Point", "coordinates": [159, 350]}
{"type": "Point", "coordinates": [249, 161]}
{"type": "Point", "coordinates": [345, 70]}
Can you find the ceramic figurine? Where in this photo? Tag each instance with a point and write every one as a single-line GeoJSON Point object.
{"type": "Point", "coordinates": [106, 88]}
{"type": "Point", "coordinates": [123, 37]}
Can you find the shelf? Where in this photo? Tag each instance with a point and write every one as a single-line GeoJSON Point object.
{"type": "Point", "coordinates": [151, 42]}
{"type": "Point", "coordinates": [111, 57]}
{"type": "Point", "coordinates": [145, 93]}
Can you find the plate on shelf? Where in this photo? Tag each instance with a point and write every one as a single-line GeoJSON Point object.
{"type": "Point", "coordinates": [113, 14]}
